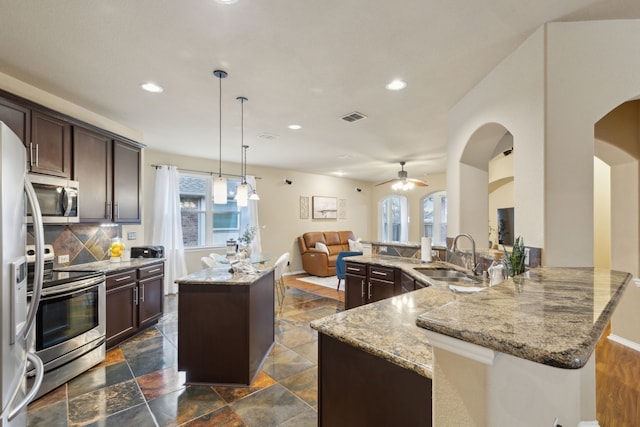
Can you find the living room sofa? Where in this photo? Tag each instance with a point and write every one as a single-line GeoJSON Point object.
{"type": "Point", "coordinates": [318, 262]}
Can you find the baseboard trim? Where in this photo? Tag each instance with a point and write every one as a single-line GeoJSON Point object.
{"type": "Point", "coordinates": [625, 342]}
{"type": "Point", "coordinates": [293, 273]}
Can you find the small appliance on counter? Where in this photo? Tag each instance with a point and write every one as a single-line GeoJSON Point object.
{"type": "Point", "coordinates": [147, 252]}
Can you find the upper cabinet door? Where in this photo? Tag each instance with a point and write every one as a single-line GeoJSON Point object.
{"type": "Point", "coordinates": [92, 168]}
{"type": "Point", "coordinates": [127, 196]}
{"type": "Point", "coordinates": [49, 151]}
{"type": "Point", "coordinates": [17, 117]}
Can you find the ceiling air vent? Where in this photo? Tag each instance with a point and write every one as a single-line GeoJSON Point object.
{"type": "Point", "coordinates": [353, 117]}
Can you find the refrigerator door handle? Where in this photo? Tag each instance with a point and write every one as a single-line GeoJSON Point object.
{"type": "Point", "coordinates": [38, 232]}
{"type": "Point", "coordinates": [37, 382]}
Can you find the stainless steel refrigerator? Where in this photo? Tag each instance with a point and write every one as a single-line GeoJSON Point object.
{"type": "Point", "coordinates": [17, 313]}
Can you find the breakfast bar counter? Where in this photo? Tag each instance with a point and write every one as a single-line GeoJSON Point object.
{"type": "Point", "coordinates": [225, 324]}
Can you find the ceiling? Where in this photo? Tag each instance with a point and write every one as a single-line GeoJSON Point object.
{"type": "Point", "coordinates": [298, 62]}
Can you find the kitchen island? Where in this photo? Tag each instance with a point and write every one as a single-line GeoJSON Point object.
{"type": "Point", "coordinates": [225, 324]}
{"type": "Point", "coordinates": [519, 353]}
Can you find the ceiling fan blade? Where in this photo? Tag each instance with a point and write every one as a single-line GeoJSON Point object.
{"type": "Point", "coordinates": [418, 182]}
{"type": "Point", "coordinates": [386, 182]}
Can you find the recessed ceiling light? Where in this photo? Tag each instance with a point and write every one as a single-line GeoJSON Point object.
{"type": "Point", "coordinates": [294, 127]}
{"type": "Point", "coordinates": [226, 1]}
{"type": "Point", "coordinates": [397, 84]}
{"type": "Point", "coordinates": [339, 173]}
{"type": "Point", "coordinates": [152, 87]}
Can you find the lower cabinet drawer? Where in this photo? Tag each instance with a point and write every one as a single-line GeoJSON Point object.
{"type": "Point", "coordinates": [382, 273]}
{"type": "Point", "coordinates": [355, 269]}
{"type": "Point", "coordinates": [119, 279]}
{"type": "Point", "coordinates": [151, 270]}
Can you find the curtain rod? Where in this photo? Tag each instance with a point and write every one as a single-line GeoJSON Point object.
{"type": "Point", "coordinates": [207, 172]}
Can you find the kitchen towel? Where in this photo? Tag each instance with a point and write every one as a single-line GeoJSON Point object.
{"type": "Point", "coordinates": [425, 249]}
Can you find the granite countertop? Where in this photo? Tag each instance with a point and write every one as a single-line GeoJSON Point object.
{"type": "Point", "coordinates": [222, 275]}
{"type": "Point", "coordinates": [108, 267]}
{"type": "Point", "coordinates": [554, 317]}
{"type": "Point", "coordinates": [387, 328]}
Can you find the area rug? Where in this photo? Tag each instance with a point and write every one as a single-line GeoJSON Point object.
{"type": "Point", "coordinates": [329, 282]}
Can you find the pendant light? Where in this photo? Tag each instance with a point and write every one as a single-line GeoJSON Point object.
{"type": "Point", "coordinates": [220, 182]}
{"type": "Point", "coordinates": [242, 193]}
{"type": "Point", "coordinates": [254, 194]}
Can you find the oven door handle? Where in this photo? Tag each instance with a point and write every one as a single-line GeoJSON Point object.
{"type": "Point", "coordinates": [57, 291]}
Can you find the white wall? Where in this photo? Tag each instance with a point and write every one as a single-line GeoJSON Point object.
{"type": "Point", "coordinates": [512, 96]}
{"type": "Point", "coordinates": [601, 214]}
{"type": "Point", "coordinates": [279, 213]}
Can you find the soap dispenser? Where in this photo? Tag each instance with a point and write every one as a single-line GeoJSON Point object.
{"type": "Point", "coordinates": [497, 272]}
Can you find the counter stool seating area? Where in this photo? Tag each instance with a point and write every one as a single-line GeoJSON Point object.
{"type": "Point", "coordinates": [280, 264]}
{"type": "Point", "coordinates": [320, 249]}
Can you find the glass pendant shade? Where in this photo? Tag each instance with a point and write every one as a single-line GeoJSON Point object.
{"type": "Point", "coordinates": [254, 196]}
{"type": "Point", "coordinates": [220, 190]}
{"type": "Point", "coordinates": [242, 197]}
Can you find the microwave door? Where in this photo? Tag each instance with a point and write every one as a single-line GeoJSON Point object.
{"type": "Point", "coordinates": [69, 201]}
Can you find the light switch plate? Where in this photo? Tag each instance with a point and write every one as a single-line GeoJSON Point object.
{"type": "Point", "coordinates": [131, 235]}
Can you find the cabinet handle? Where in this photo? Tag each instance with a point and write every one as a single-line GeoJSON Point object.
{"type": "Point", "coordinates": [153, 271]}
{"type": "Point", "coordinates": [362, 287]}
{"type": "Point", "coordinates": [107, 212]}
{"type": "Point", "coordinates": [353, 269]}
{"type": "Point", "coordinates": [117, 211]}
{"type": "Point", "coordinates": [120, 279]}
{"type": "Point", "coordinates": [369, 290]}
{"type": "Point", "coordinates": [31, 162]}
{"type": "Point", "coordinates": [37, 156]}
{"type": "Point", "coordinates": [379, 273]}
{"type": "Point", "coordinates": [135, 296]}
{"type": "Point", "coordinates": [141, 293]}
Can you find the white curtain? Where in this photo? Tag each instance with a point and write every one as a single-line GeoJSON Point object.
{"type": "Point", "coordinates": [256, 245]}
{"type": "Point", "coordinates": [404, 219]}
{"type": "Point", "coordinates": [167, 225]}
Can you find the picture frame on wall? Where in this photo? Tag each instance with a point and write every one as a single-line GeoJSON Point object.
{"type": "Point", "coordinates": [304, 207]}
{"type": "Point", "coordinates": [324, 207]}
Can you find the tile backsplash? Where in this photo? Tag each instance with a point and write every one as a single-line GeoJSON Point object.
{"type": "Point", "coordinates": [83, 243]}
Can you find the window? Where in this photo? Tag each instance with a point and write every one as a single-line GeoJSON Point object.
{"type": "Point", "coordinates": [434, 217]}
{"type": "Point", "coordinates": [203, 222]}
{"type": "Point", "coordinates": [394, 219]}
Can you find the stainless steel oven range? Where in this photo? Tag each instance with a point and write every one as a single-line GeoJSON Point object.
{"type": "Point", "coordinates": [70, 330]}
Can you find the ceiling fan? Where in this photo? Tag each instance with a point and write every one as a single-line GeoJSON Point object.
{"type": "Point", "coordinates": [402, 182]}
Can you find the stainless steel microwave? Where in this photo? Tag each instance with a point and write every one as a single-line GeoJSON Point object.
{"type": "Point", "coordinates": [58, 199]}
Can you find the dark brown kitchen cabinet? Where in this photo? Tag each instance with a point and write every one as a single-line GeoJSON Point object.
{"type": "Point", "coordinates": [17, 118]}
{"type": "Point", "coordinates": [122, 313]}
{"type": "Point", "coordinates": [135, 301]}
{"type": "Point", "coordinates": [127, 194]}
{"type": "Point", "coordinates": [109, 174]}
{"type": "Point", "coordinates": [92, 168]}
{"type": "Point", "coordinates": [366, 283]}
{"type": "Point", "coordinates": [150, 294]}
{"type": "Point", "coordinates": [356, 388]}
{"type": "Point", "coordinates": [49, 150]}
{"type": "Point", "coordinates": [355, 282]}
{"type": "Point", "coordinates": [407, 282]}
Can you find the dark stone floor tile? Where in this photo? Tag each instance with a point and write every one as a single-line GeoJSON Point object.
{"type": "Point", "coordinates": [309, 351]}
{"type": "Point", "coordinates": [185, 405]}
{"type": "Point", "coordinates": [91, 407]}
{"type": "Point", "coordinates": [113, 356]}
{"type": "Point", "coordinates": [47, 416]}
{"type": "Point", "coordinates": [138, 416]}
{"type": "Point", "coordinates": [231, 394]}
{"type": "Point", "coordinates": [224, 417]}
{"type": "Point", "coordinates": [99, 377]}
{"type": "Point", "coordinates": [296, 337]}
{"type": "Point", "coordinates": [161, 382]}
{"type": "Point", "coordinates": [308, 418]}
{"type": "Point", "coordinates": [168, 328]}
{"type": "Point", "coordinates": [277, 348]}
{"type": "Point", "coordinates": [269, 407]}
{"type": "Point", "coordinates": [304, 385]}
{"type": "Point", "coordinates": [140, 344]}
{"type": "Point", "coordinates": [284, 365]}
{"type": "Point", "coordinates": [153, 359]}
{"type": "Point", "coordinates": [56, 395]}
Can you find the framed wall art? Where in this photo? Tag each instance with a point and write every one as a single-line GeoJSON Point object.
{"type": "Point", "coordinates": [304, 207]}
{"type": "Point", "coordinates": [325, 207]}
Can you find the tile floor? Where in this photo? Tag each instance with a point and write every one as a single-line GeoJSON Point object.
{"type": "Point", "coordinates": [139, 384]}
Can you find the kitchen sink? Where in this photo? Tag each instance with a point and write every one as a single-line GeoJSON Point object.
{"type": "Point", "coordinates": [442, 274]}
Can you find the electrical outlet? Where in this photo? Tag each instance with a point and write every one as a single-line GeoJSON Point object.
{"type": "Point", "coordinates": [63, 258]}
{"type": "Point", "coordinates": [526, 256]}
{"type": "Point", "coordinates": [131, 235]}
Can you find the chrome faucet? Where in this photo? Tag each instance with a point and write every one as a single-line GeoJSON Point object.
{"type": "Point", "coordinates": [454, 249]}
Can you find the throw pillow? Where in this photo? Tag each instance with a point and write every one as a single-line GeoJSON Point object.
{"type": "Point", "coordinates": [355, 245]}
{"type": "Point", "coordinates": [322, 247]}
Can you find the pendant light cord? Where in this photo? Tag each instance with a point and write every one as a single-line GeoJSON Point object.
{"type": "Point", "coordinates": [220, 131]}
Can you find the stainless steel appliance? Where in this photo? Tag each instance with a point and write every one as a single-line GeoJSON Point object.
{"type": "Point", "coordinates": [17, 316]}
{"type": "Point", "coordinates": [57, 197]}
{"type": "Point", "coordinates": [147, 252]}
{"type": "Point", "coordinates": [70, 332]}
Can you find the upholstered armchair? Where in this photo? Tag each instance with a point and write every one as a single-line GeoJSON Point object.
{"type": "Point", "coordinates": [340, 265]}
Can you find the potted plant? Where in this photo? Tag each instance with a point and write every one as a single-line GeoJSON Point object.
{"type": "Point", "coordinates": [246, 239]}
{"type": "Point", "coordinates": [515, 259]}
